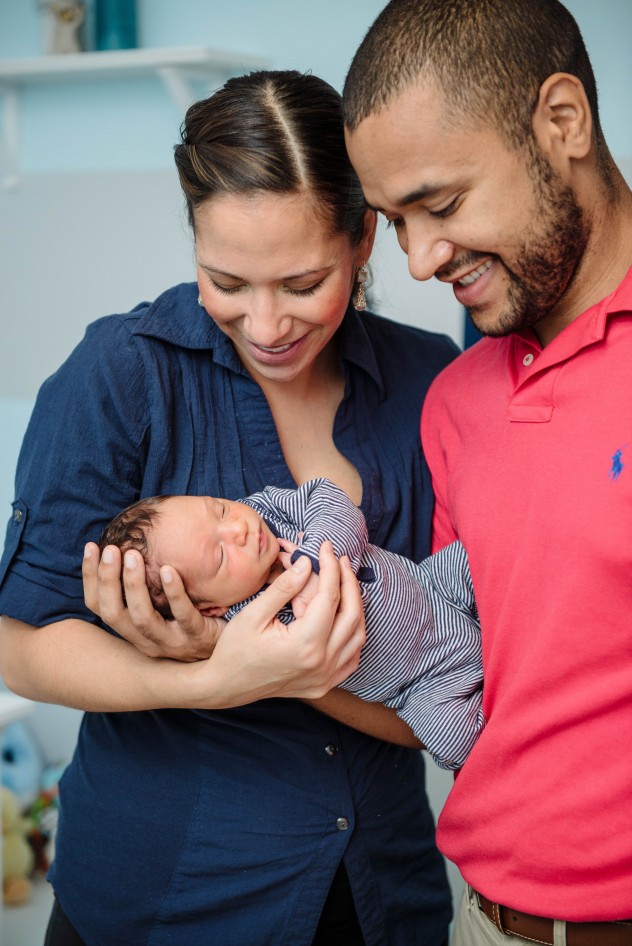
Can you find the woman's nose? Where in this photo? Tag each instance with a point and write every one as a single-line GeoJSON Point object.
{"type": "Point", "coordinates": [267, 321]}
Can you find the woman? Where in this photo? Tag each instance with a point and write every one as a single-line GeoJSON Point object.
{"type": "Point", "coordinates": [269, 823]}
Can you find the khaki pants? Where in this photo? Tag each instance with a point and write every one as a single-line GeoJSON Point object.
{"type": "Point", "coordinates": [472, 928]}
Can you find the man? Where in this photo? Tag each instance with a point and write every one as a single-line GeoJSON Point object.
{"type": "Point", "coordinates": [474, 128]}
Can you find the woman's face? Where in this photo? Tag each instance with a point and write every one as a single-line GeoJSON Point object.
{"type": "Point", "coordinates": [275, 279]}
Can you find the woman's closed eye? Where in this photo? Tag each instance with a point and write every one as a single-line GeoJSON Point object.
{"type": "Point", "coordinates": [306, 291]}
{"type": "Point", "coordinates": [231, 290]}
{"type": "Point", "coordinates": [226, 290]}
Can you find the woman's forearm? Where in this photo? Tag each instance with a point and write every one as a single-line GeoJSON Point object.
{"type": "Point", "coordinates": [78, 664]}
{"type": "Point", "coordinates": [74, 663]}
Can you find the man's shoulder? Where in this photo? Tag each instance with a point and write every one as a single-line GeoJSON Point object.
{"type": "Point", "coordinates": [470, 363]}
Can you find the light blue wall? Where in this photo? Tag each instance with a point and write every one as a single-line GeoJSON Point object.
{"type": "Point", "coordinates": [74, 244]}
{"type": "Point", "coordinates": [93, 125]}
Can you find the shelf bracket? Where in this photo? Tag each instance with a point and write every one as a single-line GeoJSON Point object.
{"type": "Point", "coordinates": [177, 86]}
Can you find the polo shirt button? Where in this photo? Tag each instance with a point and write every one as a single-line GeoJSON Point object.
{"type": "Point", "coordinates": [342, 824]}
{"type": "Point", "coordinates": [331, 749]}
{"type": "Point", "coordinates": [527, 360]}
{"type": "Point", "coordinates": [17, 515]}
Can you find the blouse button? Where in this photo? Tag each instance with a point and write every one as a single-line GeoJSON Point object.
{"type": "Point", "coordinates": [527, 360]}
{"type": "Point", "coordinates": [342, 824]}
{"type": "Point", "coordinates": [331, 749]}
{"type": "Point", "coordinates": [17, 515]}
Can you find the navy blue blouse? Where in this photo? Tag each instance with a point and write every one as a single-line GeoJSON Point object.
{"type": "Point", "coordinates": [186, 827]}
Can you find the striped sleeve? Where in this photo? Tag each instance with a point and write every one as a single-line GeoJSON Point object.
{"type": "Point", "coordinates": [423, 651]}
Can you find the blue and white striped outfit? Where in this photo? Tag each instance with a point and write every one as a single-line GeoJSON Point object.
{"type": "Point", "coordinates": [422, 655]}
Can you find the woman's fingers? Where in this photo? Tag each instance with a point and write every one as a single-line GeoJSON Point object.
{"type": "Point", "coordinates": [89, 569]}
{"type": "Point", "coordinates": [349, 631]}
{"type": "Point", "coordinates": [264, 609]}
{"type": "Point", "coordinates": [305, 658]}
{"type": "Point", "coordinates": [190, 637]}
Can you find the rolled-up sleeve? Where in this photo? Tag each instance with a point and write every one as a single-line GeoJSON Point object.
{"type": "Point", "coordinates": [80, 463]}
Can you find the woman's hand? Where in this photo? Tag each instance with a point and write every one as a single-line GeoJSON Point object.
{"type": "Point", "coordinates": [258, 657]}
{"type": "Point", "coordinates": [191, 636]}
{"type": "Point", "coordinates": [305, 595]}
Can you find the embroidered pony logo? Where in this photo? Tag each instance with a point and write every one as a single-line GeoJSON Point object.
{"type": "Point", "coordinates": [617, 464]}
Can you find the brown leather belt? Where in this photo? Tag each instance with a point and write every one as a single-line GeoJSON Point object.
{"type": "Point", "coordinates": [539, 929]}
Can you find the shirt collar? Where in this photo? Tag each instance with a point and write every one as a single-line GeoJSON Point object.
{"type": "Point", "coordinates": [586, 329]}
{"type": "Point", "coordinates": [176, 317]}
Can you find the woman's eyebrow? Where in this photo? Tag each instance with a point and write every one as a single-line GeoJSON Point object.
{"type": "Point", "coordinates": [301, 275]}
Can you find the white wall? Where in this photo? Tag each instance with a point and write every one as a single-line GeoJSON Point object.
{"type": "Point", "coordinates": [96, 223]}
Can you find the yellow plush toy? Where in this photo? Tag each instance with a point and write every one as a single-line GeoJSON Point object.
{"type": "Point", "coordinates": [18, 859]}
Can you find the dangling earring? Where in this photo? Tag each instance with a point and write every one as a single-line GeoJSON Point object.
{"type": "Point", "coordinates": [359, 295]}
{"type": "Point", "coordinates": [200, 300]}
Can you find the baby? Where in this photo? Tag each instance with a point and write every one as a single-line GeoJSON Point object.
{"type": "Point", "coordinates": [422, 654]}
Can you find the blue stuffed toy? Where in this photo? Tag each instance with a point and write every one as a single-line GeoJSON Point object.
{"type": "Point", "coordinates": [22, 763]}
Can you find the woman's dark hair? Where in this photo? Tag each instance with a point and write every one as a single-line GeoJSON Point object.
{"type": "Point", "coordinates": [272, 132]}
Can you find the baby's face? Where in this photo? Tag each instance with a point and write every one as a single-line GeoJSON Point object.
{"type": "Point", "coordinates": [222, 550]}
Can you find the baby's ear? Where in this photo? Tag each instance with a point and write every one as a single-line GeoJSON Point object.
{"type": "Point", "coordinates": [214, 611]}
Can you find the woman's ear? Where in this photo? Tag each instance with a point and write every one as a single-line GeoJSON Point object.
{"type": "Point", "coordinates": [365, 246]}
{"type": "Point", "coordinates": [562, 121]}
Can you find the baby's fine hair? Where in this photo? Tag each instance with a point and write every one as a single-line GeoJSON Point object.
{"type": "Point", "coordinates": [131, 529]}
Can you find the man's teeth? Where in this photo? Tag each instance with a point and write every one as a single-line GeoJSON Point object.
{"type": "Point", "coordinates": [276, 351]}
{"type": "Point", "coordinates": [475, 274]}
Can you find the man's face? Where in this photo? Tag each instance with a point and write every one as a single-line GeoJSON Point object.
{"type": "Point", "coordinates": [498, 224]}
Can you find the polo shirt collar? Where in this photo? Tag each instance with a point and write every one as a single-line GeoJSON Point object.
{"type": "Point", "coordinates": [177, 318]}
{"type": "Point", "coordinates": [586, 329]}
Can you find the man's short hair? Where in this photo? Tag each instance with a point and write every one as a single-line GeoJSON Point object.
{"type": "Point", "coordinates": [488, 57]}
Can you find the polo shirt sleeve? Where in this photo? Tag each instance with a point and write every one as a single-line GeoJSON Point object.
{"type": "Point", "coordinates": [80, 463]}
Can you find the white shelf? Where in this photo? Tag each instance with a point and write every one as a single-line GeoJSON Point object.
{"type": "Point", "coordinates": [175, 68]}
{"type": "Point", "coordinates": [194, 62]}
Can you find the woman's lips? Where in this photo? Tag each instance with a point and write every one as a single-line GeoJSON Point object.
{"type": "Point", "coordinates": [275, 355]}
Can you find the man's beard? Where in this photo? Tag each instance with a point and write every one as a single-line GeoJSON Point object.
{"type": "Point", "coordinates": [549, 256]}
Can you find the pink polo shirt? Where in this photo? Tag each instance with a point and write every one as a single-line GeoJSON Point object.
{"type": "Point", "coordinates": [531, 456]}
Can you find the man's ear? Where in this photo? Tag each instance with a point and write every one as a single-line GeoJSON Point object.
{"type": "Point", "coordinates": [214, 611]}
{"type": "Point", "coordinates": [562, 121]}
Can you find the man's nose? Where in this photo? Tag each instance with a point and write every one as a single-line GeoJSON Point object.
{"type": "Point", "coordinates": [426, 256]}
{"type": "Point", "coordinates": [426, 248]}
